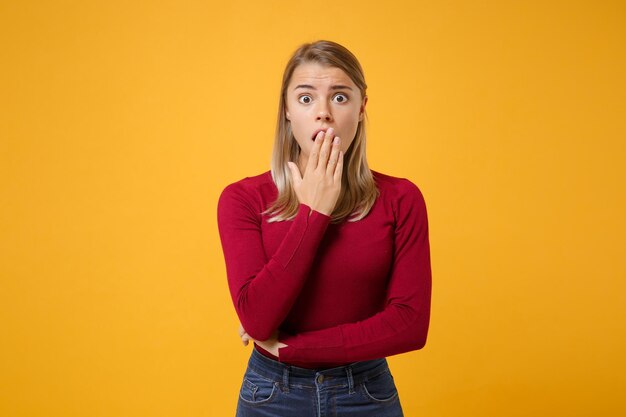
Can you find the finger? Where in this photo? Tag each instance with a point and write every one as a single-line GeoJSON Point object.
{"type": "Point", "coordinates": [339, 168]}
{"type": "Point", "coordinates": [334, 155]}
{"type": "Point", "coordinates": [315, 151]}
{"type": "Point", "coordinates": [325, 150]}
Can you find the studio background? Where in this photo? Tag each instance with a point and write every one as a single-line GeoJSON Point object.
{"type": "Point", "coordinates": [121, 122]}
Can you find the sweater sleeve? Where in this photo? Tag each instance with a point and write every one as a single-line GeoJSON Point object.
{"type": "Point", "coordinates": [264, 290]}
{"type": "Point", "coordinates": [402, 325]}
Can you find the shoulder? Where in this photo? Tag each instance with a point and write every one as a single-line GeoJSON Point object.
{"type": "Point", "coordinates": [403, 197]}
{"type": "Point", "coordinates": [396, 188]}
{"type": "Point", "coordinates": [246, 190]}
{"type": "Point", "coordinates": [248, 184]}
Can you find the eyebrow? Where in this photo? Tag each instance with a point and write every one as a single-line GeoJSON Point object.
{"type": "Point", "coordinates": [332, 87]}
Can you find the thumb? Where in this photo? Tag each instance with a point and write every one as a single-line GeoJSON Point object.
{"type": "Point", "coordinates": [295, 174]}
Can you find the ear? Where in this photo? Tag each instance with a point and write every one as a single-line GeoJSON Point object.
{"type": "Point", "coordinates": [362, 108]}
{"type": "Point", "coordinates": [287, 116]}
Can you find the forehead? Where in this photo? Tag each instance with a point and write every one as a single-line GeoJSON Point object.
{"type": "Point", "coordinates": [318, 75]}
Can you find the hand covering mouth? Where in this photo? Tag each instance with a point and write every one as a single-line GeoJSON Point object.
{"type": "Point", "coordinates": [316, 132]}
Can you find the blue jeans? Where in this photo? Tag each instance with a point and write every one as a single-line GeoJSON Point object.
{"type": "Point", "coordinates": [272, 388]}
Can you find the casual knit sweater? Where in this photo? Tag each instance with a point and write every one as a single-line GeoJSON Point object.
{"type": "Point", "coordinates": [337, 293]}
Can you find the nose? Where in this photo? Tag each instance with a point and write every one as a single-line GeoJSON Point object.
{"type": "Point", "coordinates": [324, 114]}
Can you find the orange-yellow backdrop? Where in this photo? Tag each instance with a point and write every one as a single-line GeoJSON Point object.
{"type": "Point", "coordinates": [121, 122]}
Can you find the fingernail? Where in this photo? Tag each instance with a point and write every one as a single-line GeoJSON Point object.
{"type": "Point", "coordinates": [336, 140]}
{"type": "Point", "coordinates": [330, 130]}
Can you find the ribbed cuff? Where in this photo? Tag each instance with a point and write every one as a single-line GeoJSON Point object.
{"type": "Point", "coordinates": [306, 231]}
{"type": "Point", "coordinates": [315, 346]}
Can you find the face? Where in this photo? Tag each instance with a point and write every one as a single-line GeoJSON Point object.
{"type": "Point", "coordinates": [320, 97]}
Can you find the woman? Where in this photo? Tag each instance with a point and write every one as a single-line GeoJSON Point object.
{"type": "Point", "coordinates": [328, 262]}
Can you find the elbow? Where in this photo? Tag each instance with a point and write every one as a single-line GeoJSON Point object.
{"type": "Point", "coordinates": [419, 341]}
{"type": "Point", "coordinates": [257, 332]}
{"type": "Point", "coordinates": [257, 328]}
{"type": "Point", "coordinates": [418, 330]}
{"type": "Point", "coordinates": [412, 338]}
{"type": "Point", "coordinates": [420, 335]}
{"type": "Point", "coordinates": [255, 324]}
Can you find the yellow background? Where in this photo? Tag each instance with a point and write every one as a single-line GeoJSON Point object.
{"type": "Point", "coordinates": [121, 122]}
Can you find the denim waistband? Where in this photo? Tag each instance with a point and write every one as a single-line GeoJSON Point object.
{"type": "Point", "coordinates": [348, 375]}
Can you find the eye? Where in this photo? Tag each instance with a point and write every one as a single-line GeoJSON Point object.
{"type": "Point", "coordinates": [344, 99]}
{"type": "Point", "coordinates": [304, 96]}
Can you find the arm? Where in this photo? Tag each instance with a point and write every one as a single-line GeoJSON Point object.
{"type": "Point", "coordinates": [263, 291]}
{"type": "Point", "coordinates": [402, 326]}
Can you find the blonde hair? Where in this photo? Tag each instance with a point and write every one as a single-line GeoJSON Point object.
{"type": "Point", "coordinates": [358, 188]}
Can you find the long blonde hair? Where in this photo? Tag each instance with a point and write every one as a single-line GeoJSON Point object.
{"type": "Point", "coordinates": [358, 188]}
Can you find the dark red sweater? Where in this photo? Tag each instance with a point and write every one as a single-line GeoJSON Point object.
{"type": "Point", "coordinates": [338, 293]}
